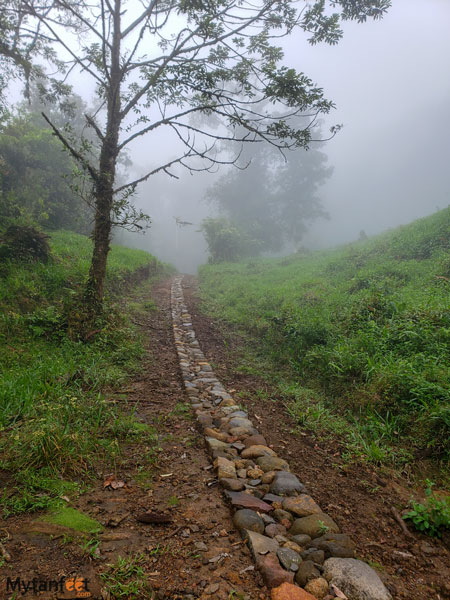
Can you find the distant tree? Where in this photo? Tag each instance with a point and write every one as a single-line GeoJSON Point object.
{"type": "Point", "coordinates": [226, 241]}
{"type": "Point", "coordinates": [275, 198]}
{"type": "Point", "coordinates": [172, 60]}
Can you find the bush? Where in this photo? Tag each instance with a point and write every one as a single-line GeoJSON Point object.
{"type": "Point", "coordinates": [226, 242]}
{"type": "Point", "coordinates": [20, 242]}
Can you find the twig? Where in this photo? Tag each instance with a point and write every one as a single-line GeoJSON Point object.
{"type": "Point", "coordinates": [4, 552]}
{"type": "Point", "coordinates": [401, 522]}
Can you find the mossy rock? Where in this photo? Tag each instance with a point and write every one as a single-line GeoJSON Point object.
{"type": "Point", "coordinates": [73, 519]}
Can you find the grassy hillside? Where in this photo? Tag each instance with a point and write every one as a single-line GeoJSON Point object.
{"type": "Point", "coordinates": [359, 335]}
{"type": "Point", "coordinates": [54, 421]}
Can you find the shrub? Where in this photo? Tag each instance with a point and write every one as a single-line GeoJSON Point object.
{"type": "Point", "coordinates": [20, 242]}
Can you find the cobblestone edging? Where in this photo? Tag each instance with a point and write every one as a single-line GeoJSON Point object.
{"type": "Point", "coordinates": [298, 549]}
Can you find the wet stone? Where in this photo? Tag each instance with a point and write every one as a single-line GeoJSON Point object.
{"type": "Point", "coordinates": [272, 572]}
{"type": "Point", "coordinates": [289, 559]}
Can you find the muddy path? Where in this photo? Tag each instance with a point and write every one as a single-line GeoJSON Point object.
{"type": "Point", "coordinates": [358, 497]}
{"type": "Point", "coordinates": [196, 555]}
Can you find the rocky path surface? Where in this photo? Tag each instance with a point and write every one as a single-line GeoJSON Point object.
{"type": "Point", "coordinates": [297, 546]}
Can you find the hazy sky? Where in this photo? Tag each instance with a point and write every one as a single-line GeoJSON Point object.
{"type": "Point", "coordinates": [390, 81]}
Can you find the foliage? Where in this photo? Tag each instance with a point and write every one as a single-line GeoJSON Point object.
{"type": "Point", "coordinates": [275, 198]}
{"type": "Point", "coordinates": [367, 326]}
{"type": "Point", "coordinates": [226, 242]}
{"type": "Point", "coordinates": [431, 517]}
{"type": "Point", "coordinates": [55, 421]}
{"type": "Point", "coordinates": [24, 243]}
{"type": "Point", "coordinates": [172, 62]}
{"type": "Point", "coordinates": [33, 178]}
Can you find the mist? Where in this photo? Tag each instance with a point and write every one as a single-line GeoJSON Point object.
{"type": "Point", "coordinates": [389, 81]}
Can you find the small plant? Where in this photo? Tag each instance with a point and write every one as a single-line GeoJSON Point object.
{"type": "Point", "coordinates": [126, 578]}
{"type": "Point", "coordinates": [432, 516]}
{"type": "Point", "coordinates": [173, 501]}
{"type": "Point", "coordinates": [323, 528]}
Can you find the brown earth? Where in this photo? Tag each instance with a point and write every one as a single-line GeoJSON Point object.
{"type": "Point", "coordinates": [359, 497]}
{"type": "Point", "coordinates": [175, 479]}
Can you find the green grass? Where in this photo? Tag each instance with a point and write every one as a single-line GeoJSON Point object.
{"type": "Point", "coordinates": [361, 332]}
{"type": "Point", "coordinates": [55, 421]}
{"type": "Point", "coordinates": [126, 578]}
{"type": "Point", "coordinates": [67, 516]}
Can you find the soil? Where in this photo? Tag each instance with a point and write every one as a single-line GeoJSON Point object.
{"type": "Point", "coordinates": [176, 480]}
{"type": "Point", "coordinates": [359, 497]}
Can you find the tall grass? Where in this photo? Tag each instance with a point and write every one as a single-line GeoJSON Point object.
{"type": "Point", "coordinates": [55, 423]}
{"type": "Point", "coordinates": [366, 325]}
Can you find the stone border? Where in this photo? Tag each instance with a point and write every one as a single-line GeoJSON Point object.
{"type": "Point", "coordinates": [298, 548]}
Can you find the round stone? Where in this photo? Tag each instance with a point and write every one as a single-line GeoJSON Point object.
{"type": "Point", "coordinates": [317, 587]}
{"type": "Point", "coordinates": [248, 519]}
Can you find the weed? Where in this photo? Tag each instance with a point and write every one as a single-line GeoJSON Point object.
{"type": "Point", "coordinates": [432, 516]}
{"type": "Point", "coordinates": [322, 527]}
{"type": "Point", "coordinates": [173, 501]}
{"type": "Point", "coordinates": [126, 578]}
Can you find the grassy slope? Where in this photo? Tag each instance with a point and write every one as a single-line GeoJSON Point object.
{"type": "Point", "coordinates": [362, 332]}
{"type": "Point", "coordinates": [54, 420]}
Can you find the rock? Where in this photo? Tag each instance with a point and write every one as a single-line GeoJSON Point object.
{"type": "Point", "coordinates": [213, 433]}
{"type": "Point", "coordinates": [288, 591]}
{"type": "Point", "coordinates": [225, 468]}
{"type": "Point", "coordinates": [301, 539]}
{"type": "Point", "coordinates": [239, 413]}
{"type": "Point", "coordinates": [211, 589]}
{"type": "Point", "coordinates": [238, 445]}
{"type": "Point", "coordinates": [254, 482]}
{"type": "Point", "coordinates": [254, 440]}
{"type": "Point", "coordinates": [275, 529]}
{"type": "Point", "coordinates": [240, 463]}
{"type": "Point", "coordinates": [241, 473]}
{"type": "Point", "coordinates": [205, 420]}
{"type": "Point", "coordinates": [240, 422]}
{"type": "Point", "coordinates": [272, 463]}
{"type": "Point", "coordinates": [317, 587]}
{"type": "Point", "coordinates": [289, 559]}
{"type": "Point", "coordinates": [302, 506]}
{"type": "Point", "coordinates": [356, 579]}
{"type": "Point", "coordinates": [240, 431]}
{"type": "Point", "coordinates": [248, 501]}
{"type": "Point", "coordinates": [280, 515]}
{"type": "Point", "coordinates": [234, 485]}
{"type": "Point", "coordinates": [317, 556]}
{"type": "Point", "coordinates": [293, 546]}
{"type": "Point", "coordinates": [255, 473]}
{"type": "Point", "coordinates": [257, 451]}
{"type": "Point", "coordinates": [267, 519]}
{"type": "Point", "coordinates": [260, 544]}
{"type": "Point", "coordinates": [248, 519]}
{"type": "Point", "coordinates": [285, 484]}
{"type": "Point", "coordinates": [314, 525]}
{"type": "Point", "coordinates": [268, 476]}
{"type": "Point", "coordinates": [201, 546]}
{"type": "Point", "coordinates": [272, 572]}
{"type": "Point", "coordinates": [272, 498]}
{"type": "Point", "coordinates": [339, 545]}
{"type": "Point", "coordinates": [306, 571]}
{"type": "Point", "coordinates": [214, 445]}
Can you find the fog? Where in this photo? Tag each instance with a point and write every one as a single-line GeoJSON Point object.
{"type": "Point", "coordinates": [389, 80]}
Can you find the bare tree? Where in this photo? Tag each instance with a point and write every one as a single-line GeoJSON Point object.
{"type": "Point", "coordinates": [160, 63]}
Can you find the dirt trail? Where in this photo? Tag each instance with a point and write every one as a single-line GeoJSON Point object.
{"type": "Point", "coordinates": [358, 497]}
{"type": "Point", "coordinates": [198, 554]}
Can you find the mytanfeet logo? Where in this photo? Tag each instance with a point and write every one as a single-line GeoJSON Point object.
{"type": "Point", "coordinates": [66, 587]}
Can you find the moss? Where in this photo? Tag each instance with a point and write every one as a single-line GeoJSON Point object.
{"type": "Point", "coordinates": [74, 519]}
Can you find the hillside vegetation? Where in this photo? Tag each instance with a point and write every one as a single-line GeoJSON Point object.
{"type": "Point", "coordinates": [54, 420]}
{"type": "Point", "coordinates": [358, 338]}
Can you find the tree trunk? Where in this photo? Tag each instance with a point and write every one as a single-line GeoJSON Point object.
{"type": "Point", "coordinates": [104, 186]}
